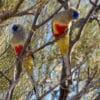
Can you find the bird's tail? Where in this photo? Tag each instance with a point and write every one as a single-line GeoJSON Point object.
{"type": "Point", "coordinates": [63, 44]}
{"type": "Point", "coordinates": [28, 64]}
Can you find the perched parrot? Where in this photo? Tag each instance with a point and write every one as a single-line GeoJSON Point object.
{"type": "Point", "coordinates": [17, 43]}
{"type": "Point", "coordinates": [61, 24]}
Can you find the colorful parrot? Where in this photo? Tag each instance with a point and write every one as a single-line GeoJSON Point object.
{"type": "Point", "coordinates": [17, 43]}
{"type": "Point", "coordinates": [61, 24]}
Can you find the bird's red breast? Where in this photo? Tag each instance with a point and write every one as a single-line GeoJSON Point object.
{"type": "Point", "coordinates": [18, 49]}
{"type": "Point", "coordinates": [60, 30]}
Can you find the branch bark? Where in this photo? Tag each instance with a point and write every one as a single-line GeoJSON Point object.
{"type": "Point", "coordinates": [2, 74]}
{"type": "Point", "coordinates": [9, 14]}
{"type": "Point", "coordinates": [86, 87]}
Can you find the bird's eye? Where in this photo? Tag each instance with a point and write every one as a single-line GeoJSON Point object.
{"type": "Point", "coordinates": [75, 15]}
{"type": "Point", "coordinates": [15, 28]}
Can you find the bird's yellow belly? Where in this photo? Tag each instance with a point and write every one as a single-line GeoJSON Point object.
{"type": "Point", "coordinates": [28, 64]}
{"type": "Point", "coordinates": [63, 44]}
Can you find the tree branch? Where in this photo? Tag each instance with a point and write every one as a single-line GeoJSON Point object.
{"type": "Point", "coordinates": [86, 87]}
{"type": "Point", "coordinates": [94, 4]}
{"type": "Point", "coordinates": [5, 51]}
{"type": "Point", "coordinates": [64, 3]}
{"type": "Point", "coordinates": [78, 66]}
{"type": "Point", "coordinates": [9, 14]}
{"type": "Point", "coordinates": [83, 25]}
{"type": "Point", "coordinates": [2, 74]}
{"type": "Point", "coordinates": [44, 22]}
{"type": "Point", "coordinates": [78, 4]}
{"type": "Point", "coordinates": [12, 87]}
{"type": "Point", "coordinates": [18, 6]}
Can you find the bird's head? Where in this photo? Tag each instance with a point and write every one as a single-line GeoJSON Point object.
{"type": "Point", "coordinates": [17, 28]}
{"type": "Point", "coordinates": [74, 13]}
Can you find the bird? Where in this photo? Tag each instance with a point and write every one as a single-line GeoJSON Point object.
{"type": "Point", "coordinates": [17, 42]}
{"type": "Point", "coordinates": [61, 24]}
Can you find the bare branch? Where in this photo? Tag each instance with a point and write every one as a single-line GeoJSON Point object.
{"type": "Point", "coordinates": [44, 80]}
{"type": "Point", "coordinates": [26, 12]}
{"type": "Point", "coordinates": [86, 87]}
{"type": "Point", "coordinates": [78, 66]}
{"type": "Point", "coordinates": [12, 87]}
{"type": "Point", "coordinates": [96, 18]}
{"type": "Point", "coordinates": [32, 80]}
{"type": "Point", "coordinates": [39, 25]}
{"type": "Point", "coordinates": [5, 51]}
{"type": "Point", "coordinates": [92, 3]}
{"type": "Point", "coordinates": [98, 97]}
{"type": "Point", "coordinates": [9, 14]}
{"type": "Point", "coordinates": [78, 4]}
{"type": "Point", "coordinates": [64, 3]}
{"type": "Point", "coordinates": [47, 44]}
{"type": "Point", "coordinates": [18, 6]}
{"type": "Point", "coordinates": [2, 74]}
{"type": "Point", "coordinates": [97, 8]}
{"type": "Point", "coordinates": [81, 28]}
{"type": "Point", "coordinates": [48, 92]}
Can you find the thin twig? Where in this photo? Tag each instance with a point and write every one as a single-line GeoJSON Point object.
{"type": "Point", "coordinates": [18, 6]}
{"type": "Point", "coordinates": [83, 25]}
{"type": "Point", "coordinates": [2, 74]}
{"type": "Point", "coordinates": [65, 3]}
{"type": "Point", "coordinates": [41, 24]}
{"type": "Point", "coordinates": [92, 3]}
{"type": "Point", "coordinates": [78, 4]}
{"type": "Point", "coordinates": [44, 80]}
{"type": "Point", "coordinates": [4, 51]}
{"type": "Point", "coordinates": [12, 87]}
{"type": "Point", "coordinates": [86, 87]}
{"type": "Point", "coordinates": [26, 12]}
{"type": "Point", "coordinates": [9, 14]}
